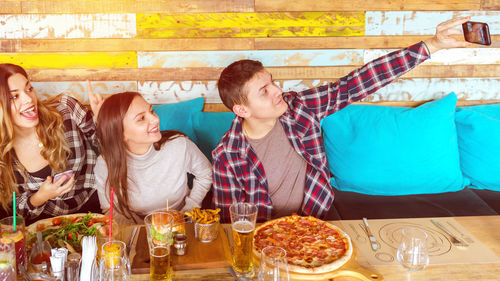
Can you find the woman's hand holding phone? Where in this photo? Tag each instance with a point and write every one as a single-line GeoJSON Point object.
{"type": "Point", "coordinates": [51, 189]}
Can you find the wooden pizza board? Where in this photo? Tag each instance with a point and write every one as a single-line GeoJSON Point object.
{"type": "Point", "coordinates": [199, 255]}
{"type": "Point", "coordinates": [350, 269]}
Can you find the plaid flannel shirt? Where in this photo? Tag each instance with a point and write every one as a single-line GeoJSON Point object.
{"type": "Point", "coordinates": [239, 175]}
{"type": "Point", "coordinates": [80, 136]}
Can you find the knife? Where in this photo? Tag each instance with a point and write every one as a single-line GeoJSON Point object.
{"type": "Point", "coordinates": [373, 241]}
{"type": "Point", "coordinates": [454, 240]}
{"type": "Point", "coordinates": [131, 240]}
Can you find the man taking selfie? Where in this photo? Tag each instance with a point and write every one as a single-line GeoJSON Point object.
{"type": "Point", "coordinates": [273, 154]}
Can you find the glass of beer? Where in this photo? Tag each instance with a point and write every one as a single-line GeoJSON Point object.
{"type": "Point", "coordinates": [243, 218]}
{"type": "Point", "coordinates": [17, 235]}
{"type": "Point", "coordinates": [159, 227]}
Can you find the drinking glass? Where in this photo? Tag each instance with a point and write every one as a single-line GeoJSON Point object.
{"type": "Point", "coordinates": [114, 264]}
{"type": "Point", "coordinates": [7, 260]}
{"type": "Point", "coordinates": [18, 236]}
{"type": "Point", "coordinates": [412, 253]}
{"type": "Point", "coordinates": [243, 218]}
{"type": "Point", "coordinates": [159, 227]}
{"type": "Point", "coordinates": [273, 264]}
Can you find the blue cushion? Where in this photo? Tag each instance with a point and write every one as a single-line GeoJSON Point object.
{"type": "Point", "coordinates": [478, 129]}
{"type": "Point", "coordinates": [209, 128]}
{"type": "Point", "coordinates": [383, 150]}
{"type": "Point", "coordinates": [178, 116]}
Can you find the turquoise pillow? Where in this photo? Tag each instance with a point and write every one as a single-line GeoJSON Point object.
{"type": "Point", "coordinates": [178, 116]}
{"type": "Point", "coordinates": [478, 129]}
{"type": "Point", "coordinates": [384, 150]}
{"type": "Point", "coordinates": [209, 128]}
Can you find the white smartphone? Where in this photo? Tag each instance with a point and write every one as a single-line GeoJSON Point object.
{"type": "Point", "coordinates": [66, 175]}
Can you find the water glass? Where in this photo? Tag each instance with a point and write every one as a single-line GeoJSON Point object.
{"type": "Point", "coordinates": [114, 263]}
{"type": "Point", "coordinates": [159, 227]}
{"type": "Point", "coordinates": [17, 235]}
{"type": "Point", "coordinates": [412, 252]}
{"type": "Point", "coordinates": [8, 260]}
{"type": "Point", "coordinates": [273, 264]}
{"type": "Point", "coordinates": [243, 218]}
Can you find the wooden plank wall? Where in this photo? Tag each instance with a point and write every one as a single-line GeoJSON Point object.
{"type": "Point", "coordinates": [174, 50]}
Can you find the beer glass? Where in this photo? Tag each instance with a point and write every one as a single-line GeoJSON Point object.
{"type": "Point", "coordinates": [114, 263]}
{"type": "Point", "coordinates": [273, 264]}
{"type": "Point", "coordinates": [159, 227]}
{"type": "Point", "coordinates": [243, 217]}
{"type": "Point", "coordinates": [7, 231]}
{"type": "Point", "coordinates": [412, 253]}
{"type": "Point", "coordinates": [7, 260]}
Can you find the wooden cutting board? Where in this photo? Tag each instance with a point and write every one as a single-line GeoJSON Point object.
{"type": "Point", "coordinates": [198, 255]}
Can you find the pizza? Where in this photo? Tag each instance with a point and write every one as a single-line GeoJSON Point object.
{"type": "Point", "coordinates": [67, 231]}
{"type": "Point", "coordinates": [311, 245]}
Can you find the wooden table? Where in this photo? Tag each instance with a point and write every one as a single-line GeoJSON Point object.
{"type": "Point", "coordinates": [484, 228]}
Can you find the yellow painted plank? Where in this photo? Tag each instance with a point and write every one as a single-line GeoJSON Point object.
{"type": "Point", "coordinates": [365, 5]}
{"type": "Point", "coordinates": [250, 24]}
{"type": "Point", "coordinates": [72, 60]}
{"type": "Point", "coordinates": [121, 44]}
{"type": "Point", "coordinates": [135, 6]}
{"type": "Point", "coordinates": [280, 73]}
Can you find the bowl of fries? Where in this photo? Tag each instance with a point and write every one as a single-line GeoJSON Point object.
{"type": "Point", "coordinates": [206, 224]}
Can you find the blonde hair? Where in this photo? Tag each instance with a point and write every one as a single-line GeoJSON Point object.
{"type": "Point", "coordinates": [55, 148]}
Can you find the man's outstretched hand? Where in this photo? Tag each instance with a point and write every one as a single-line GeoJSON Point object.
{"type": "Point", "coordinates": [443, 39]}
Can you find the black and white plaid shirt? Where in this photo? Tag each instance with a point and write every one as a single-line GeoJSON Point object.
{"type": "Point", "coordinates": [80, 136]}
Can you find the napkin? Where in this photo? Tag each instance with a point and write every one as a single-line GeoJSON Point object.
{"type": "Point", "coordinates": [57, 261]}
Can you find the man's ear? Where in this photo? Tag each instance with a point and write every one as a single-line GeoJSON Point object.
{"type": "Point", "coordinates": [241, 111]}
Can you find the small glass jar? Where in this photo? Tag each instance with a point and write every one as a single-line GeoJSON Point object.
{"type": "Point", "coordinates": [180, 244]}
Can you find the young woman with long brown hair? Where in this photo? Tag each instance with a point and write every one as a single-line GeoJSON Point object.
{"type": "Point", "coordinates": [145, 167]}
{"type": "Point", "coordinates": [39, 139]}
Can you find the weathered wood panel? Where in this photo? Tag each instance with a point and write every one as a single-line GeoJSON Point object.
{"type": "Point", "coordinates": [67, 26]}
{"type": "Point", "coordinates": [117, 45]}
{"type": "Point", "coordinates": [72, 60]}
{"type": "Point", "coordinates": [365, 5]}
{"type": "Point", "coordinates": [78, 90]}
{"type": "Point", "coordinates": [400, 90]}
{"type": "Point", "coordinates": [490, 5]}
{"type": "Point", "coordinates": [433, 88]}
{"type": "Point", "coordinates": [250, 25]}
{"type": "Point", "coordinates": [219, 107]}
{"type": "Point", "coordinates": [451, 56]}
{"type": "Point", "coordinates": [10, 7]}
{"type": "Point", "coordinates": [353, 42]}
{"type": "Point", "coordinates": [267, 57]}
{"type": "Point", "coordinates": [422, 23]}
{"type": "Point", "coordinates": [135, 6]}
{"type": "Point", "coordinates": [280, 73]}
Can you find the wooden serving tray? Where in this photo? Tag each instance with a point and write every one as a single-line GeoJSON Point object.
{"type": "Point", "coordinates": [198, 255]}
{"type": "Point", "coordinates": [350, 269]}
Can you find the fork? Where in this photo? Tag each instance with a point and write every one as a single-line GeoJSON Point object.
{"type": "Point", "coordinates": [454, 239]}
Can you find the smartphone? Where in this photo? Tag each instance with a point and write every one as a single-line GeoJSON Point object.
{"type": "Point", "coordinates": [477, 32]}
{"type": "Point", "coordinates": [66, 174]}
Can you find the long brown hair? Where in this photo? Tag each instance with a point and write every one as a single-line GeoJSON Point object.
{"type": "Point", "coordinates": [113, 148]}
{"type": "Point", "coordinates": [55, 149]}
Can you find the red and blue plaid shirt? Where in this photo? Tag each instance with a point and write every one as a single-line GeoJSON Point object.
{"type": "Point", "coordinates": [239, 175]}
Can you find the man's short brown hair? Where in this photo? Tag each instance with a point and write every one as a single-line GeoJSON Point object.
{"type": "Point", "coordinates": [232, 81]}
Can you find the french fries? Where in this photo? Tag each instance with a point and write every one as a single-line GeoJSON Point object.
{"type": "Point", "coordinates": [206, 227]}
{"type": "Point", "coordinates": [205, 216]}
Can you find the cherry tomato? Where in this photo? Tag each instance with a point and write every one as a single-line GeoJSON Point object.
{"type": "Point", "coordinates": [56, 221]}
{"type": "Point", "coordinates": [71, 236]}
{"type": "Point", "coordinates": [91, 222]}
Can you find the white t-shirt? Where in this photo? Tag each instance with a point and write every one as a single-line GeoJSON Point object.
{"type": "Point", "coordinates": [160, 175]}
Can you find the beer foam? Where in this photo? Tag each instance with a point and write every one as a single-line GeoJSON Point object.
{"type": "Point", "coordinates": [243, 226]}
